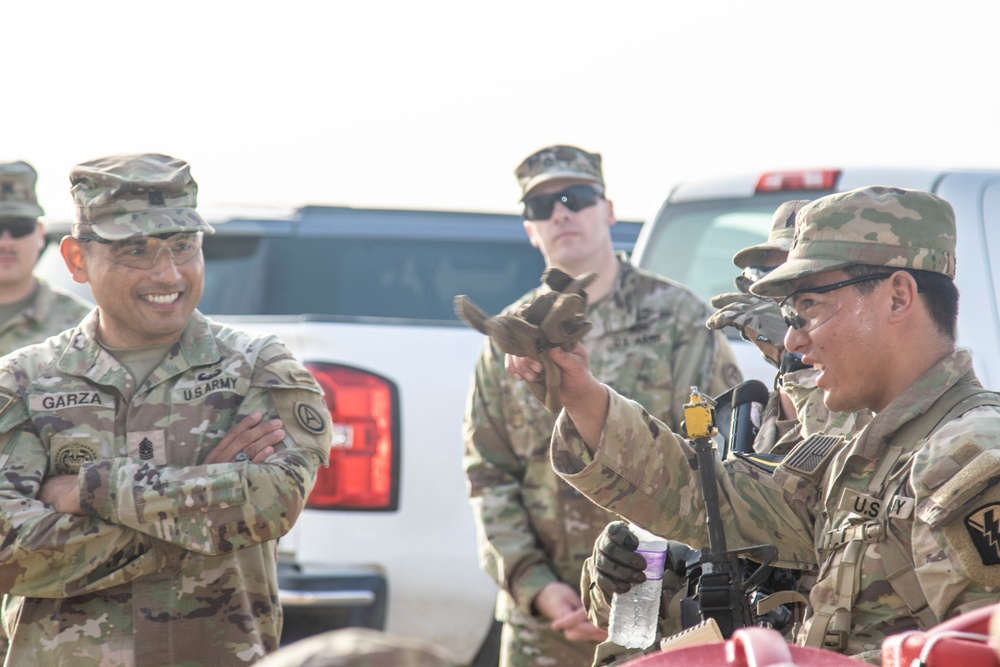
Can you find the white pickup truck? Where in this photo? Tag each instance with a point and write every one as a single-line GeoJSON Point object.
{"type": "Point", "coordinates": [364, 298]}
{"type": "Point", "coordinates": [702, 224]}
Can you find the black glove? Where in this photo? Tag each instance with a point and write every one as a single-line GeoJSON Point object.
{"type": "Point", "coordinates": [617, 566]}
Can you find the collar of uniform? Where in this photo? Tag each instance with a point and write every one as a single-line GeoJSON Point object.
{"type": "Point", "coordinates": [913, 402]}
{"type": "Point", "coordinates": [40, 306]}
{"type": "Point", "coordinates": [198, 347]}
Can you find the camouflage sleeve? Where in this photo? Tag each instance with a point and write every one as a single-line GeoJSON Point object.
{"type": "Point", "coordinates": [219, 508]}
{"type": "Point", "coordinates": [643, 472]}
{"type": "Point", "coordinates": [509, 551]}
{"type": "Point", "coordinates": [956, 528]}
{"type": "Point", "coordinates": [45, 553]}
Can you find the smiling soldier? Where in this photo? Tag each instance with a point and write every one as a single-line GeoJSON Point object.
{"type": "Point", "coordinates": [900, 520]}
{"type": "Point", "coordinates": [150, 457]}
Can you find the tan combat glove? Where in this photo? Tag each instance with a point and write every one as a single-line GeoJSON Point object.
{"type": "Point", "coordinates": [758, 319]}
{"type": "Point", "coordinates": [555, 318]}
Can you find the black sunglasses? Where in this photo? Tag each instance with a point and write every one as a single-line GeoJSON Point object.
{"type": "Point", "coordinates": [575, 198]}
{"type": "Point", "coordinates": [18, 228]}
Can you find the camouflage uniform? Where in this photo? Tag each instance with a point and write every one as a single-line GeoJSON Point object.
{"type": "Point", "coordinates": [901, 520]}
{"type": "Point", "coordinates": [140, 579]}
{"type": "Point", "coordinates": [173, 561]}
{"type": "Point", "coordinates": [649, 341]}
{"type": "Point", "coordinates": [49, 312]}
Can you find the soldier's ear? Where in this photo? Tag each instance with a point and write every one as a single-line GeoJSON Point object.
{"type": "Point", "coordinates": [903, 294]}
{"type": "Point", "coordinates": [73, 254]}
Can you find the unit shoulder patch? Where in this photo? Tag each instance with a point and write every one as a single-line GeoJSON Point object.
{"type": "Point", "coordinates": [310, 418]}
{"type": "Point", "coordinates": [983, 525]}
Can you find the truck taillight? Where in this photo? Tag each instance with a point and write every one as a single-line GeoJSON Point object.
{"type": "Point", "coordinates": [364, 456]}
{"type": "Point", "coordinates": [817, 179]}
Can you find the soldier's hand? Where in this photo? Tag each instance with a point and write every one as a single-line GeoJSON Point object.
{"type": "Point", "coordinates": [617, 566]}
{"type": "Point", "coordinates": [62, 492]}
{"type": "Point", "coordinates": [575, 627]}
{"type": "Point", "coordinates": [253, 438]}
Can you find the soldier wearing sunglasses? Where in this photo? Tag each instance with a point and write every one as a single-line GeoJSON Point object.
{"type": "Point", "coordinates": [30, 310]}
{"type": "Point", "coordinates": [649, 340]}
{"type": "Point", "coordinates": [900, 520]}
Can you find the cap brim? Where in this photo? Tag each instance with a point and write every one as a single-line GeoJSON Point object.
{"type": "Point", "coordinates": [20, 210]}
{"type": "Point", "coordinates": [149, 223]}
{"type": "Point", "coordinates": [764, 255]}
{"type": "Point", "coordinates": [557, 176]}
{"type": "Point", "coordinates": [778, 283]}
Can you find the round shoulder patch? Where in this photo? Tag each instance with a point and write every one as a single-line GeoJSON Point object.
{"type": "Point", "coordinates": [310, 418]}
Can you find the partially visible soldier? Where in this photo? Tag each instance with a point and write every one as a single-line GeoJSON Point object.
{"type": "Point", "coordinates": [795, 409]}
{"type": "Point", "coordinates": [151, 458]}
{"type": "Point", "coordinates": [614, 566]}
{"type": "Point", "coordinates": [30, 310]}
{"type": "Point", "coordinates": [648, 340]}
{"type": "Point", "coordinates": [900, 520]}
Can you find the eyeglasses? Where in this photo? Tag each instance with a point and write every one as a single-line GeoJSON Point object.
{"type": "Point", "coordinates": [750, 275]}
{"type": "Point", "coordinates": [575, 198]}
{"type": "Point", "coordinates": [18, 228]}
{"type": "Point", "coordinates": [143, 252]}
{"type": "Point", "coordinates": [804, 313]}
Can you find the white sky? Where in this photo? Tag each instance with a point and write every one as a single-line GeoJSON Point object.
{"type": "Point", "coordinates": [431, 104]}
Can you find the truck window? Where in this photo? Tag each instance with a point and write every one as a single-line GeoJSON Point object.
{"type": "Point", "coordinates": [399, 278]}
{"type": "Point", "coordinates": [694, 243]}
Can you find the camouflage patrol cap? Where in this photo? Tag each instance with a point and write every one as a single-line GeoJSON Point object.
{"type": "Point", "coordinates": [773, 252]}
{"type": "Point", "coordinates": [136, 194]}
{"type": "Point", "coordinates": [17, 191]}
{"type": "Point", "coordinates": [359, 647]}
{"type": "Point", "coordinates": [556, 162]}
{"type": "Point", "coordinates": [878, 226]}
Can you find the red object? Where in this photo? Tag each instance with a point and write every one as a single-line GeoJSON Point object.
{"type": "Point", "coordinates": [958, 642]}
{"type": "Point", "coordinates": [364, 457]}
{"type": "Point", "coordinates": [779, 181]}
{"type": "Point", "coordinates": [749, 647]}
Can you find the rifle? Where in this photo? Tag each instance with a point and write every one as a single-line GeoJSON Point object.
{"type": "Point", "coordinates": [722, 591]}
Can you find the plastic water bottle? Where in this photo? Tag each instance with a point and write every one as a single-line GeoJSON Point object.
{"type": "Point", "coordinates": [634, 615]}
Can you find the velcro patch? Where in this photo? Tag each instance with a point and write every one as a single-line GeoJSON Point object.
{"type": "Point", "coordinates": [860, 504]}
{"type": "Point", "coordinates": [6, 400]}
{"type": "Point", "coordinates": [71, 399]}
{"type": "Point", "coordinates": [147, 446]}
{"type": "Point", "coordinates": [810, 454]}
{"type": "Point", "coordinates": [983, 525]}
{"type": "Point", "coordinates": [766, 462]}
{"type": "Point", "coordinates": [310, 418]}
{"type": "Point", "coordinates": [67, 456]}
{"type": "Point", "coordinates": [302, 376]}
{"type": "Point", "coordinates": [901, 507]}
